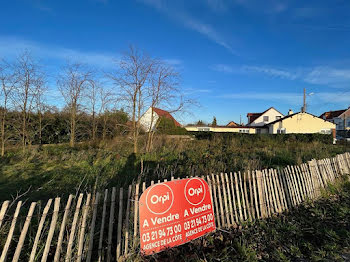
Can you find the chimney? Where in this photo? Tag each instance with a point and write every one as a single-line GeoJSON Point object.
{"type": "Point", "coordinates": [290, 112]}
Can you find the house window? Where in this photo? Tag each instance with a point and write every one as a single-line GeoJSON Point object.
{"type": "Point", "coordinates": [278, 117]}
{"type": "Point", "coordinates": [281, 131]}
{"type": "Point", "coordinates": [326, 131]}
{"type": "Point", "coordinates": [204, 129]}
{"type": "Point", "coordinates": [244, 131]}
{"type": "Point", "coordinates": [266, 118]}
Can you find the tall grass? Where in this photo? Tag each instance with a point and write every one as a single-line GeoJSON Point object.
{"type": "Point", "coordinates": [53, 170]}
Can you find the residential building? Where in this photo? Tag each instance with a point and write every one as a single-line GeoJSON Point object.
{"type": "Point", "coordinates": [232, 124]}
{"type": "Point", "coordinates": [222, 129]}
{"type": "Point", "coordinates": [149, 123]}
{"type": "Point", "coordinates": [299, 123]}
{"type": "Point", "coordinates": [339, 117]}
{"type": "Point", "coordinates": [261, 119]}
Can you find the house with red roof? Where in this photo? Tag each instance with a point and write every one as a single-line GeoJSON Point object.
{"type": "Point", "coordinates": [263, 118]}
{"type": "Point", "coordinates": [150, 118]}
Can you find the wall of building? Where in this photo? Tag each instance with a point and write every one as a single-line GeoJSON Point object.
{"type": "Point", "coordinates": [272, 114]}
{"type": "Point", "coordinates": [146, 119]}
{"type": "Point", "coordinates": [302, 123]}
{"type": "Point", "coordinates": [220, 129]}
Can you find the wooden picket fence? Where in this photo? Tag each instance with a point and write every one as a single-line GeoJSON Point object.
{"type": "Point", "coordinates": [104, 227]}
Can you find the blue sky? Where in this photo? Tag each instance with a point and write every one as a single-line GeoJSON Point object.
{"type": "Point", "coordinates": [235, 56]}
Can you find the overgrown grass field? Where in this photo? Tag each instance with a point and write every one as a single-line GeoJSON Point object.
{"type": "Point", "coordinates": [57, 170]}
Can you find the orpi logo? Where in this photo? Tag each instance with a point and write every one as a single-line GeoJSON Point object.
{"type": "Point", "coordinates": [195, 191]}
{"type": "Point", "coordinates": [159, 199]}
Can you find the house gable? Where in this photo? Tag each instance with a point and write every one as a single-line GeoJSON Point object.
{"type": "Point", "coordinates": [300, 123]}
{"type": "Point", "coordinates": [261, 119]}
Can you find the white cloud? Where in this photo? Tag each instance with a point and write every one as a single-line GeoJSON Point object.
{"type": "Point", "coordinates": [12, 46]}
{"type": "Point", "coordinates": [271, 71]}
{"type": "Point", "coordinates": [190, 22]}
{"type": "Point", "coordinates": [290, 98]}
{"type": "Point", "coordinates": [319, 75]}
{"type": "Point", "coordinates": [324, 75]}
{"type": "Point", "coordinates": [317, 99]}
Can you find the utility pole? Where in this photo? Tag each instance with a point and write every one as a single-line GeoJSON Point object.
{"type": "Point", "coordinates": [304, 102]}
{"type": "Point", "coordinates": [240, 119]}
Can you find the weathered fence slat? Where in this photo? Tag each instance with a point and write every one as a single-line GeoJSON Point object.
{"type": "Point", "coordinates": [251, 195]}
{"type": "Point", "coordinates": [92, 227]}
{"type": "Point", "coordinates": [56, 208]}
{"type": "Point", "coordinates": [246, 196]}
{"type": "Point", "coordinates": [110, 226]}
{"type": "Point", "coordinates": [82, 229]}
{"type": "Point", "coordinates": [257, 209]}
{"type": "Point", "coordinates": [220, 201]}
{"type": "Point", "coordinates": [242, 195]}
{"type": "Point", "coordinates": [238, 198]}
{"type": "Point", "coordinates": [72, 231]}
{"type": "Point", "coordinates": [10, 234]}
{"type": "Point", "coordinates": [234, 198]}
{"type": "Point", "coordinates": [120, 222]}
{"type": "Point", "coordinates": [100, 241]}
{"type": "Point", "coordinates": [126, 245]}
{"type": "Point", "coordinates": [216, 202]}
{"type": "Point", "coordinates": [4, 207]}
{"type": "Point", "coordinates": [225, 200]}
{"type": "Point", "coordinates": [38, 232]}
{"type": "Point", "coordinates": [136, 211]}
{"type": "Point", "coordinates": [62, 229]}
{"type": "Point", "coordinates": [229, 200]}
{"type": "Point", "coordinates": [24, 232]}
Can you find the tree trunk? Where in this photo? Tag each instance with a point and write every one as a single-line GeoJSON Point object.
{"type": "Point", "coordinates": [24, 123]}
{"type": "Point", "coordinates": [40, 128]}
{"type": "Point", "coordinates": [104, 128]}
{"type": "Point", "coordinates": [3, 134]}
{"type": "Point", "coordinates": [93, 126]}
{"type": "Point", "coordinates": [72, 129]}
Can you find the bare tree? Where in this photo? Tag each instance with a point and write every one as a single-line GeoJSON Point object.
{"type": "Point", "coordinates": [107, 98]}
{"type": "Point", "coordinates": [93, 97]}
{"type": "Point", "coordinates": [7, 86]}
{"type": "Point", "coordinates": [28, 78]}
{"type": "Point", "coordinates": [73, 81]}
{"type": "Point", "coordinates": [40, 107]}
{"type": "Point", "coordinates": [132, 77]}
{"type": "Point", "coordinates": [164, 92]}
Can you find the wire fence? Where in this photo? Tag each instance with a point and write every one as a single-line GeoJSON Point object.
{"type": "Point", "coordinates": [104, 226]}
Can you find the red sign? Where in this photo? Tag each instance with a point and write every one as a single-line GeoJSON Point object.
{"type": "Point", "coordinates": [173, 213]}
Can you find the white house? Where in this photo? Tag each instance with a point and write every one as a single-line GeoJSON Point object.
{"type": "Point", "coordinates": [146, 120]}
{"type": "Point", "coordinates": [339, 117]}
{"type": "Point", "coordinates": [261, 119]}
